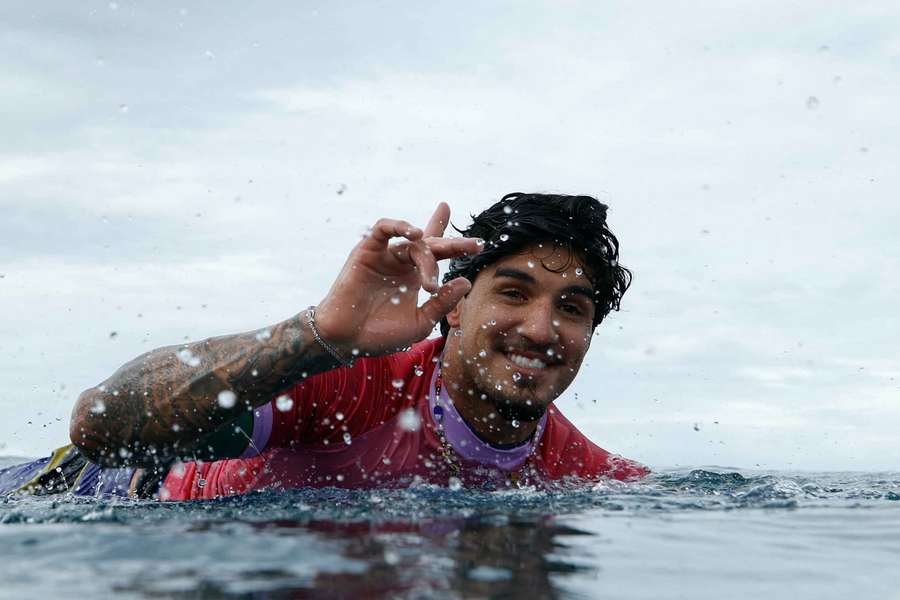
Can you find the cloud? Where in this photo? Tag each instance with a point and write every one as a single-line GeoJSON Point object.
{"type": "Point", "coordinates": [760, 232]}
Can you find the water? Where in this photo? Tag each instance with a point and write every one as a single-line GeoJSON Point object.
{"type": "Point", "coordinates": [679, 534]}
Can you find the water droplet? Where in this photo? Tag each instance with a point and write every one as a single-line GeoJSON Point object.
{"type": "Point", "coordinates": [226, 399]}
{"type": "Point", "coordinates": [418, 370]}
{"type": "Point", "coordinates": [454, 484]}
{"type": "Point", "coordinates": [482, 353]}
{"type": "Point", "coordinates": [284, 403]}
{"type": "Point", "coordinates": [579, 272]}
{"type": "Point", "coordinates": [98, 407]}
{"type": "Point", "coordinates": [397, 383]}
{"type": "Point", "coordinates": [188, 357]}
{"type": "Point", "coordinates": [402, 289]}
{"type": "Point", "coordinates": [514, 423]}
{"type": "Point", "coordinates": [812, 103]}
{"type": "Point", "coordinates": [201, 483]}
{"type": "Point", "coordinates": [391, 558]}
{"type": "Point", "coordinates": [395, 299]}
{"type": "Point", "coordinates": [507, 209]}
{"type": "Point", "coordinates": [457, 333]}
{"type": "Point", "coordinates": [530, 264]}
{"type": "Point", "coordinates": [504, 237]}
{"type": "Point", "coordinates": [348, 439]}
{"type": "Point", "coordinates": [517, 376]}
{"type": "Point", "coordinates": [339, 416]}
{"type": "Point", "coordinates": [555, 323]}
{"type": "Point", "coordinates": [409, 420]}
{"type": "Point", "coordinates": [498, 387]}
{"type": "Point", "coordinates": [254, 372]}
{"type": "Point", "coordinates": [263, 335]}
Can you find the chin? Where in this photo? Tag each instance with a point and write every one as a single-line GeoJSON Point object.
{"type": "Point", "coordinates": [520, 412]}
{"type": "Point", "coordinates": [520, 409]}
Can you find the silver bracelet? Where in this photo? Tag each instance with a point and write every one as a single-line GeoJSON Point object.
{"type": "Point", "coordinates": [311, 320]}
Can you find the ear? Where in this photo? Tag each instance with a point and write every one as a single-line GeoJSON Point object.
{"type": "Point", "coordinates": [454, 317]}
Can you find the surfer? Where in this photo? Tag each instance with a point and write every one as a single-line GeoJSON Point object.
{"type": "Point", "coordinates": [348, 392]}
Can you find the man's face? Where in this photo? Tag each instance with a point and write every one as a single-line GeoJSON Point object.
{"type": "Point", "coordinates": [523, 330]}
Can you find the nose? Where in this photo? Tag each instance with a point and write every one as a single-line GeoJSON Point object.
{"type": "Point", "coordinates": [539, 324]}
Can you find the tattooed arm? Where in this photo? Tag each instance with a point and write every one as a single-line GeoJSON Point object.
{"type": "Point", "coordinates": [164, 404]}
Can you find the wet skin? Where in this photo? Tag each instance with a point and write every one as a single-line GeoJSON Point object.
{"type": "Point", "coordinates": [536, 304]}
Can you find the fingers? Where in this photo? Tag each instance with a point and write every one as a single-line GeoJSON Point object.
{"type": "Point", "coordinates": [444, 248]}
{"type": "Point", "coordinates": [418, 255]}
{"type": "Point", "coordinates": [441, 303]}
{"type": "Point", "coordinates": [424, 255]}
{"type": "Point", "coordinates": [437, 224]}
{"type": "Point", "coordinates": [385, 229]}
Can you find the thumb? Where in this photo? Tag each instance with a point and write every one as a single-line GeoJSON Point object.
{"type": "Point", "coordinates": [441, 303]}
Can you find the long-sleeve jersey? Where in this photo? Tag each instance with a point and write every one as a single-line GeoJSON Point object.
{"type": "Point", "coordinates": [371, 425]}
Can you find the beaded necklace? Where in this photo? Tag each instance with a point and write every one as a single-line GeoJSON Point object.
{"type": "Point", "coordinates": [450, 455]}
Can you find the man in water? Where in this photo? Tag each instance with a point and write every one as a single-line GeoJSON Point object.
{"type": "Point", "coordinates": [348, 393]}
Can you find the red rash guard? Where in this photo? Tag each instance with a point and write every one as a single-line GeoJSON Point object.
{"type": "Point", "coordinates": [355, 428]}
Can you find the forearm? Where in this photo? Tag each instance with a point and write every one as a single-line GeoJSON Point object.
{"type": "Point", "coordinates": [161, 404]}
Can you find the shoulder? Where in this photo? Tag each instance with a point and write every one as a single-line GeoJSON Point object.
{"type": "Point", "coordinates": [566, 452]}
{"type": "Point", "coordinates": [359, 398]}
{"type": "Point", "coordinates": [421, 354]}
{"type": "Point", "coordinates": [408, 373]}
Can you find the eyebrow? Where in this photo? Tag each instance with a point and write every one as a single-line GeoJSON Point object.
{"type": "Point", "coordinates": [526, 278]}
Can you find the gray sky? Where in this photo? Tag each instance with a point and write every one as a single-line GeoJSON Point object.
{"type": "Point", "coordinates": [171, 172]}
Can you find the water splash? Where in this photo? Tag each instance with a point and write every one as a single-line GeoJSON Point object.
{"type": "Point", "coordinates": [226, 399]}
{"type": "Point", "coordinates": [409, 420]}
{"type": "Point", "coordinates": [187, 357]}
{"type": "Point", "coordinates": [284, 403]}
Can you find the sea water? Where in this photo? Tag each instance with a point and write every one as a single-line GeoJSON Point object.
{"type": "Point", "coordinates": [702, 533]}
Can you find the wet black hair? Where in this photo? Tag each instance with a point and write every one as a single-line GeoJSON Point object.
{"type": "Point", "coordinates": [577, 223]}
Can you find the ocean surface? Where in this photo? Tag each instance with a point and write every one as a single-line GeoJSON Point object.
{"type": "Point", "coordinates": [702, 533]}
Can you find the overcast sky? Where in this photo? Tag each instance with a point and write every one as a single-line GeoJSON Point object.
{"type": "Point", "coordinates": [174, 171]}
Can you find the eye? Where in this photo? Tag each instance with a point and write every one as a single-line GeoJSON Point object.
{"type": "Point", "coordinates": [513, 294]}
{"type": "Point", "coordinates": [572, 309]}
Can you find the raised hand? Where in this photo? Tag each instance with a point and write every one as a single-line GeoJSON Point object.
{"type": "Point", "coordinates": [372, 307]}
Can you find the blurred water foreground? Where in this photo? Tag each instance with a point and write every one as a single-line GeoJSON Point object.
{"type": "Point", "coordinates": [679, 534]}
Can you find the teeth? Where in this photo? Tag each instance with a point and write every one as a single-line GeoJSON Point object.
{"type": "Point", "coordinates": [528, 363]}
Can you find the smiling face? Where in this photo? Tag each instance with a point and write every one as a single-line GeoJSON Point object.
{"type": "Point", "coordinates": [518, 338]}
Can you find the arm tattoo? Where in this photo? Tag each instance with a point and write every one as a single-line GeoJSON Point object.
{"type": "Point", "coordinates": [162, 404]}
